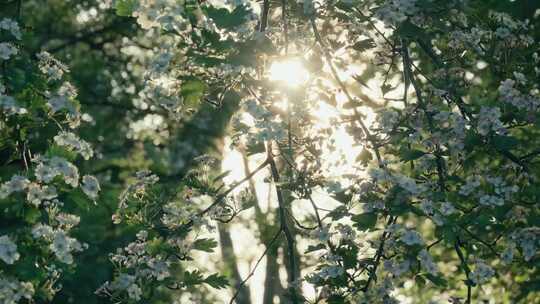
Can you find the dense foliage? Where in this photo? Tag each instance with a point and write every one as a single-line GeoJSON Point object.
{"type": "Point", "coordinates": [397, 140]}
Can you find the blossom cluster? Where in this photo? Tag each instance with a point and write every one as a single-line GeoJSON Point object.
{"type": "Point", "coordinates": [143, 268]}
{"type": "Point", "coordinates": [37, 194]}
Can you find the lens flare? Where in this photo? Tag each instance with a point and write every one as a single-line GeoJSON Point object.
{"type": "Point", "coordinates": [290, 71]}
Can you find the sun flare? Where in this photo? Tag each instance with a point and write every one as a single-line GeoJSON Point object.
{"type": "Point", "coordinates": [290, 71]}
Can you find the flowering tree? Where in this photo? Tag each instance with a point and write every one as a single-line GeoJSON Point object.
{"type": "Point", "coordinates": [42, 186]}
{"type": "Point", "coordinates": [433, 199]}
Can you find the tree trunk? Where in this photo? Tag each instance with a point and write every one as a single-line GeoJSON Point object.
{"type": "Point", "coordinates": [229, 259]}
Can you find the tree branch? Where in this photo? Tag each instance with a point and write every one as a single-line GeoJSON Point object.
{"type": "Point", "coordinates": [284, 226]}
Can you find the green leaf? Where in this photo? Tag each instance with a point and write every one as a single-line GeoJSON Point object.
{"type": "Point", "coordinates": [222, 176]}
{"type": "Point", "coordinates": [437, 280]}
{"type": "Point", "coordinates": [59, 151]}
{"type": "Point", "coordinates": [125, 7]}
{"type": "Point", "coordinates": [410, 154]}
{"type": "Point", "coordinates": [364, 45]}
{"type": "Point", "coordinates": [385, 88]}
{"type": "Point", "coordinates": [217, 281]}
{"type": "Point", "coordinates": [206, 245]}
{"type": "Point", "coordinates": [344, 5]}
{"type": "Point", "coordinates": [408, 29]}
{"type": "Point", "coordinates": [472, 140]}
{"type": "Point", "coordinates": [32, 215]}
{"type": "Point", "coordinates": [338, 213]}
{"type": "Point", "coordinates": [192, 91]}
{"type": "Point", "coordinates": [254, 148]}
{"type": "Point", "coordinates": [351, 104]}
{"type": "Point", "coordinates": [343, 197]}
{"type": "Point", "coordinates": [446, 232]}
{"type": "Point", "coordinates": [336, 299]}
{"type": "Point", "coordinates": [364, 221]}
{"type": "Point", "coordinates": [192, 278]}
{"type": "Point", "coordinates": [420, 281]}
{"type": "Point", "coordinates": [350, 257]}
{"type": "Point", "coordinates": [313, 248]}
{"type": "Point", "coordinates": [154, 246]}
{"type": "Point", "coordinates": [504, 143]}
{"type": "Point", "coordinates": [364, 157]}
{"type": "Point", "coordinates": [225, 19]}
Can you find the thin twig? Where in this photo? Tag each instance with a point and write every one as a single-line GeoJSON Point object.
{"type": "Point", "coordinates": [378, 255]}
{"type": "Point", "coordinates": [466, 269]}
{"type": "Point", "coordinates": [264, 18]}
{"type": "Point", "coordinates": [369, 137]}
{"type": "Point", "coordinates": [222, 196]}
{"type": "Point", "coordinates": [335, 74]}
{"type": "Point", "coordinates": [408, 72]}
{"type": "Point", "coordinates": [256, 265]}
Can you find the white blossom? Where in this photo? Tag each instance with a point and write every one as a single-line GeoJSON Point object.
{"type": "Point", "coordinates": [45, 173]}
{"type": "Point", "coordinates": [411, 237]}
{"type": "Point", "coordinates": [13, 291]}
{"type": "Point", "coordinates": [134, 292]}
{"type": "Point", "coordinates": [74, 143]}
{"type": "Point", "coordinates": [67, 169]}
{"type": "Point", "coordinates": [51, 67]}
{"type": "Point", "coordinates": [482, 273]}
{"type": "Point", "coordinates": [7, 50]}
{"type": "Point", "coordinates": [447, 208]}
{"type": "Point", "coordinates": [393, 12]}
{"type": "Point", "coordinates": [427, 262]}
{"type": "Point", "coordinates": [397, 268]}
{"type": "Point", "coordinates": [58, 103]}
{"type": "Point", "coordinates": [17, 183]}
{"type": "Point", "coordinates": [62, 245]}
{"type": "Point", "coordinates": [428, 207]}
{"type": "Point", "coordinates": [491, 200]}
{"type": "Point", "coordinates": [36, 193]}
{"type": "Point", "coordinates": [8, 250]}
{"type": "Point", "coordinates": [333, 271]}
{"type": "Point", "coordinates": [90, 186]}
{"type": "Point", "coordinates": [11, 26]}
{"type": "Point", "coordinates": [40, 231]}
{"type": "Point", "coordinates": [10, 106]}
{"type": "Point", "coordinates": [508, 254]}
{"type": "Point", "coordinates": [67, 220]}
{"type": "Point", "coordinates": [470, 185]}
{"type": "Point", "coordinates": [159, 269]}
{"type": "Point", "coordinates": [489, 121]}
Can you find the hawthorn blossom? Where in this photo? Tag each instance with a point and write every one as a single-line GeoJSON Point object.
{"type": "Point", "coordinates": [17, 183]}
{"type": "Point", "coordinates": [427, 262]}
{"type": "Point", "coordinates": [491, 200]}
{"type": "Point", "coordinates": [42, 231]}
{"type": "Point", "coordinates": [446, 208]}
{"type": "Point", "coordinates": [37, 194]}
{"type": "Point", "coordinates": [11, 26]}
{"type": "Point", "coordinates": [470, 185]}
{"type": "Point", "coordinates": [397, 268]}
{"type": "Point", "coordinates": [8, 250]}
{"type": "Point", "coordinates": [12, 291]}
{"type": "Point", "coordinates": [508, 254]}
{"type": "Point", "coordinates": [63, 246]}
{"type": "Point", "coordinates": [51, 67]}
{"type": "Point", "coordinates": [7, 50]}
{"type": "Point", "coordinates": [330, 272]}
{"type": "Point", "coordinates": [90, 186]}
{"type": "Point", "coordinates": [489, 121]}
{"type": "Point", "coordinates": [411, 237]}
{"type": "Point", "coordinates": [482, 273]}
{"type": "Point", "coordinates": [74, 143]}
{"type": "Point", "coordinates": [10, 106]}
